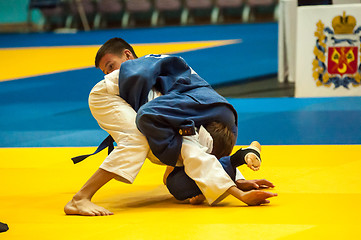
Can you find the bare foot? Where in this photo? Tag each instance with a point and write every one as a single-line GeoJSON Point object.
{"type": "Point", "coordinates": [85, 207]}
{"type": "Point", "coordinates": [252, 161]}
{"type": "Point", "coordinates": [199, 199]}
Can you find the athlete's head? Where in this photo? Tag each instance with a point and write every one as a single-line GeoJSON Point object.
{"type": "Point", "coordinates": [223, 139]}
{"type": "Point", "coordinates": [112, 54]}
{"type": "Point", "coordinates": [179, 184]}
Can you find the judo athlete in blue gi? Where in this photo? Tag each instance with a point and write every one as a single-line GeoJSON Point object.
{"type": "Point", "coordinates": [138, 85]}
{"type": "Point", "coordinates": [186, 103]}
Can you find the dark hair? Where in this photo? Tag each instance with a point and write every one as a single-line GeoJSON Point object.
{"type": "Point", "coordinates": [115, 46]}
{"type": "Point", "coordinates": [223, 139]}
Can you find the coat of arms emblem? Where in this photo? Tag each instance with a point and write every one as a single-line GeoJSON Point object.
{"type": "Point", "coordinates": [338, 53]}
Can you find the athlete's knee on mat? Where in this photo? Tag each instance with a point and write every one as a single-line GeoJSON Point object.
{"type": "Point", "coordinates": [180, 185]}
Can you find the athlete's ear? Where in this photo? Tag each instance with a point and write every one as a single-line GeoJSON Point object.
{"type": "Point", "coordinates": [128, 54]}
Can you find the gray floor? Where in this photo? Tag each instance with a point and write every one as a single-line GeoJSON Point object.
{"type": "Point", "coordinates": [266, 87]}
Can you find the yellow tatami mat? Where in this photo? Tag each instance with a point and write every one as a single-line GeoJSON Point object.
{"type": "Point", "coordinates": [319, 190]}
{"type": "Point", "coordinates": [56, 59]}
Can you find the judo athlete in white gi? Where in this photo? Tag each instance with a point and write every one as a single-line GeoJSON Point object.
{"type": "Point", "coordinates": [118, 118]}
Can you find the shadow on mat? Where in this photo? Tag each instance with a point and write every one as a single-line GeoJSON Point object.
{"type": "Point", "coordinates": [158, 197]}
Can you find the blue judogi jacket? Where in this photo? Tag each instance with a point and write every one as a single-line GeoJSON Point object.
{"type": "Point", "coordinates": [167, 74]}
{"type": "Point", "coordinates": [187, 102]}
